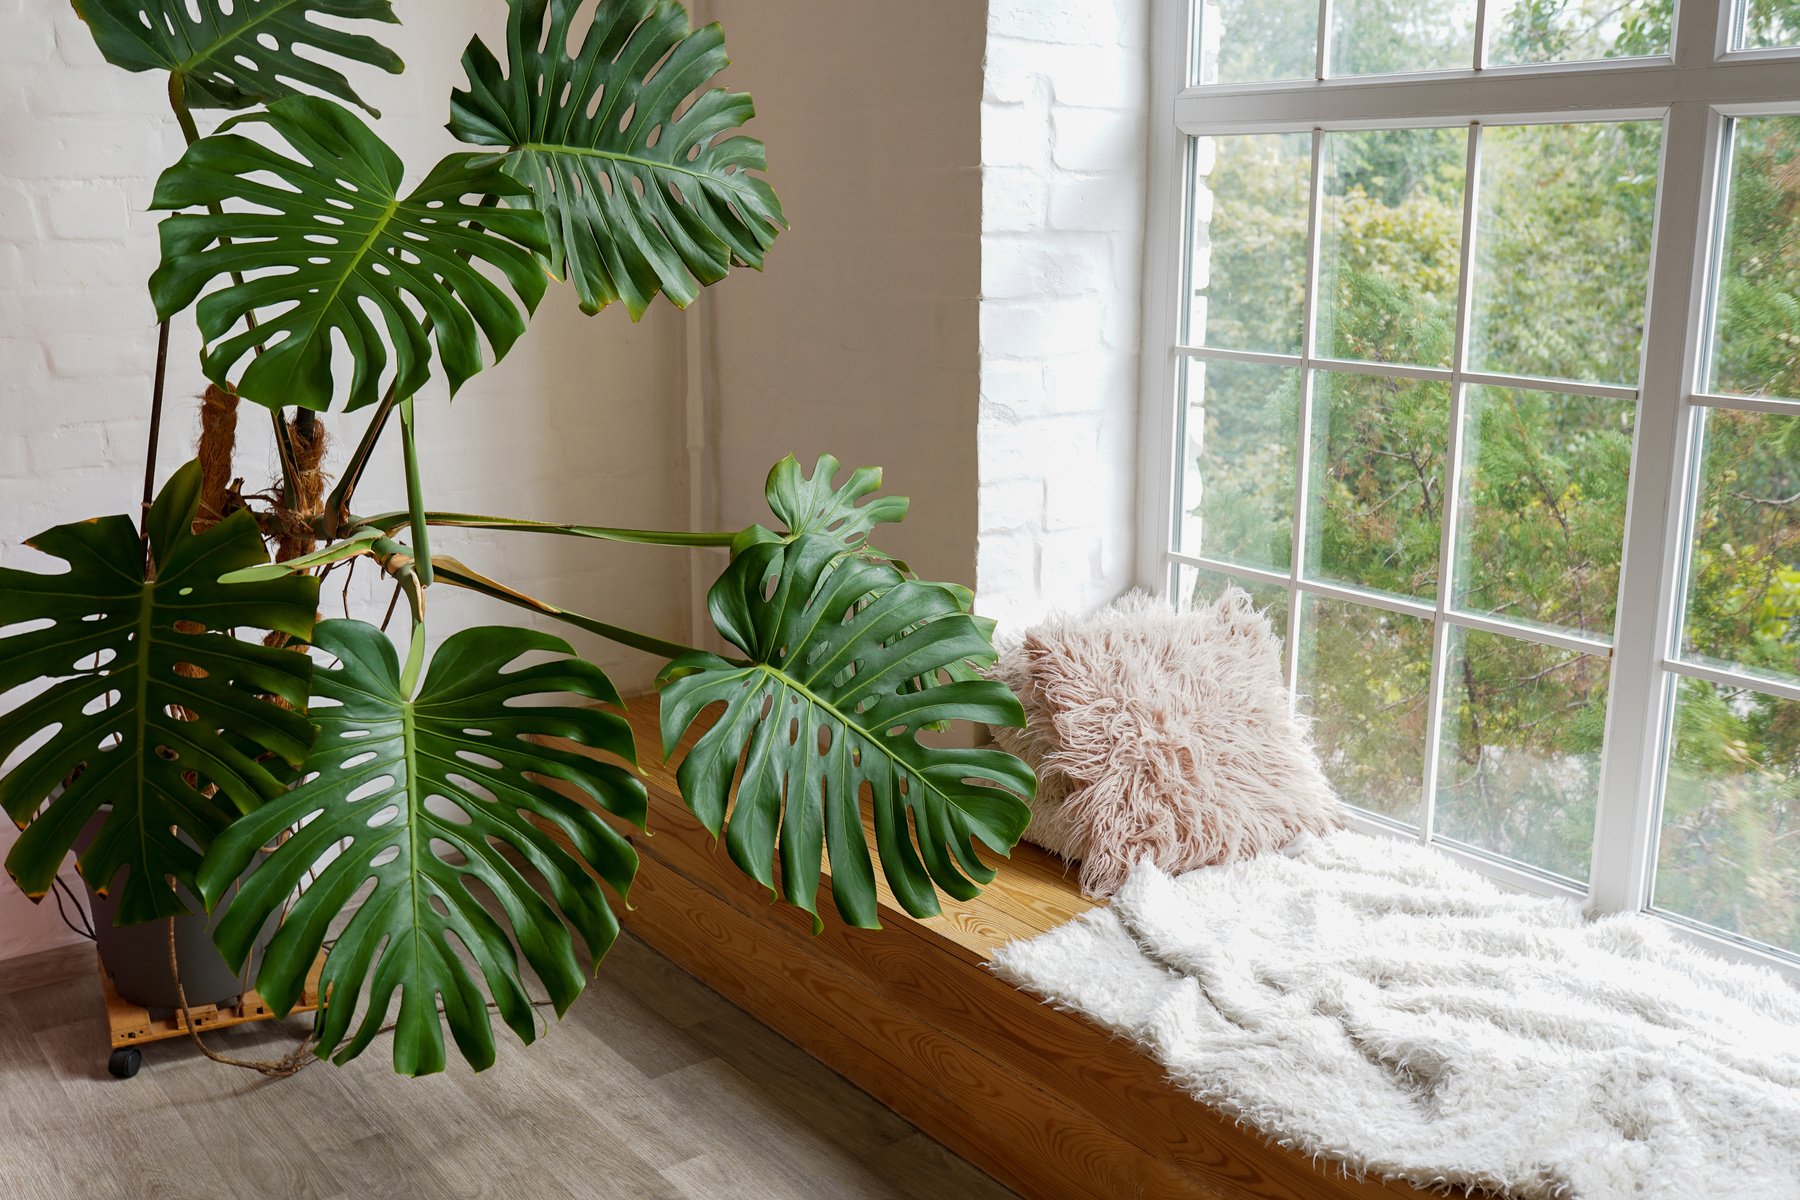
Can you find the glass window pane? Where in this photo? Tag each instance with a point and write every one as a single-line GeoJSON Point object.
{"type": "Point", "coordinates": [1756, 322]}
{"type": "Point", "coordinates": [1388, 37]}
{"type": "Point", "coordinates": [1376, 486]}
{"type": "Point", "coordinates": [1237, 491]}
{"type": "Point", "coordinates": [1743, 605]}
{"type": "Point", "coordinates": [1541, 520]}
{"type": "Point", "coordinates": [1519, 764]}
{"type": "Point", "coordinates": [1364, 678]}
{"type": "Point", "coordinates": [1390, 238]}
{"type": "Point", "coordinates": [1562, 250]}
{"type": "Point", "coordinates": [1551, 31]}
{"type": "Point", "coordinates": [1247, 263]}
{"type": "Point", "coordinates": [1254, 41]}
{"type": "Point", "coordinates": [1195, 586]}
{"type": "Point", "coordinates": [1730, 850]}
{"type": "Point", "coordinates": [1764, 24]}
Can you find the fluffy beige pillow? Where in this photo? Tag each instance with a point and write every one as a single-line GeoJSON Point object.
{"type": "Point", "coordinates": [1162, 735]}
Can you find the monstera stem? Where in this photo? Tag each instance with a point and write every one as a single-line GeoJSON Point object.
{"type": "Point", "coordinates": [643, 537]}
{"type": "Point", "coordinates": [157, 389]}
{"type": "Point", "coordinates": [415, 494]}
{"type": "Point", "coordinates": [160, 381]}
{"type": "Point", "coordinates": [337, 505]}
{"type": "Point", "coordinates": [415, 659]}
{"type": "Point", "coordinates": [456, 574]}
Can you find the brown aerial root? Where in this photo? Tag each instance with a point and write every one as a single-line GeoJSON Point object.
{"type": "Point", "coordinates": [218, 446]}
{"type": "Point", "coordinates": [294, 533]}
{"type": "Point", "coordinates": [291, 523]}
{"type": "Point", "coordinates": [289, 1064]}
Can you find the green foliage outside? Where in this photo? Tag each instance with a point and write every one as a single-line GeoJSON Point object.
{"type": "Point", "coordinates": [1276, 39]}
{"type": "Point", "coordinates": [1560, 270]}
{"type": "Point", "coordinates": [1770, 23]}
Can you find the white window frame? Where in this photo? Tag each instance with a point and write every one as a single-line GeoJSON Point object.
{"type": "Point", "coordinates": [1697, 89]}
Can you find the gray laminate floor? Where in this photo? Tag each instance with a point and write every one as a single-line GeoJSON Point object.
{"type": "Point", "coordinates": [654, 1088]}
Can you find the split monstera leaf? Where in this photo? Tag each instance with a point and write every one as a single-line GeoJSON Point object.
{"type": "Point", "coordinates": [387, 750]}
{"type": "Point", "coordinates": [338, 250]}
{"type": "Point", "coordinates": [592, 167]}
{"type": "Point", "coordinates": [152, 706]}
{"type": "Point", "coordinates": [825, 704]}
{"type": "Point", "coordinates": [442, 830]}
{"type": "Point", "coordinates": [639, 195]}
{"type": "Point", "coordinates": [245, 53]}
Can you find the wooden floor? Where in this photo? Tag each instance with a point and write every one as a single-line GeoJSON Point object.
{"type": "Point", "coordinates": [654, 1088]}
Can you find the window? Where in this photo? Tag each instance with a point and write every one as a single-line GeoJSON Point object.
{"type": "Point", "coordinates": [1474, 355]}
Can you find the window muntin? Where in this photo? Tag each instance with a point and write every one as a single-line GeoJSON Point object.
{"type": "Point", "coordinates": [1550, 422]}
{"type": "Point", "coordinates": [1728, 815]}
{"type": "Point", "coordinates": [1370, 415]}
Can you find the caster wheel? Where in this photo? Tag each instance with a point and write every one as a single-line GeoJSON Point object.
{"type": "Point", "coordinates": [125, 1063]}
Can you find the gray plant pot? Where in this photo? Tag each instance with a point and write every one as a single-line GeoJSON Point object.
{"type": "Point", "coordinates": [137, 959]}
{"type": "Point", "coordinates": [137, 956]}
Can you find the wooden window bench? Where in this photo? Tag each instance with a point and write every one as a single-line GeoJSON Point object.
{"type": "Point", "coordinates": [1046, 1102]}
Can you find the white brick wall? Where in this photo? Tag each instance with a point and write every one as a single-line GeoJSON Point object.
{"type": "Point", "coordinates": [582, 422]}
{"type": "Point", "coordinates": [1063, 152]}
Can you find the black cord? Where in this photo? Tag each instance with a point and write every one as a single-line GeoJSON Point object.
{"type": "Point", "coordinates": [86, 928]}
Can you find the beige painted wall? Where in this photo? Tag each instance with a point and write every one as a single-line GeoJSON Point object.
{"type": "Point", "coordinates": [861, 337]}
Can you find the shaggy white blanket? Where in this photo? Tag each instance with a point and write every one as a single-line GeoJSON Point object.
{"type": "Point", "coordinates": [1373, 1003]}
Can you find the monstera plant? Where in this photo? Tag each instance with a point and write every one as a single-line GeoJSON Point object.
{"type": "Point", "coordinates": [427, 826]}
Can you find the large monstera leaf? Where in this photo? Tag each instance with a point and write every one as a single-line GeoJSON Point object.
{"type": "Point", "coordinates": [811, 505]}
{"type": "Point", "coordinates": [639, 196]}
{"type": "Point", "coordinates": [155, 708]}
{"type": "Point", "coordinates": [332, 247]}
{"type": "Point", "coordinates": [825, 705]}
{"type": "Point", "coordinates": [242, 53]}
{"type": "Point", "coordinates": [419, 793]}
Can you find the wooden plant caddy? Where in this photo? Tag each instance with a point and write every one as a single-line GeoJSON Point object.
{"type": "Point", "coordinates": [131, 1026]}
